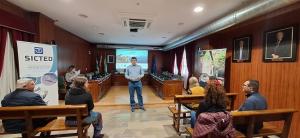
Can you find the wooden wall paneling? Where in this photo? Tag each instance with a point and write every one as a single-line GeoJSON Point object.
{"type": "Point", "coordinates": [46, 29]}
{"type": "Point", "coordinates": [279, 82]}
{"type": "Point", "coordinates": [159, 60]}
{"type": "Point", "coordinates": [111, 67]}
{"type": "Point", "coordinates": [73, 50]}
{"type": "Point", "coordinates": [13, 9]}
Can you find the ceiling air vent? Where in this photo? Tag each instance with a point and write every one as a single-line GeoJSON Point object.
{"type": "Point", "coordinates": [135, 25]}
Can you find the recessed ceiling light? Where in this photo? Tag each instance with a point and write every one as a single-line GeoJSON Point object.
{"type": "Point", "coordinates": [198, 9]}
{"type": "Point", "coordinates": [82, 15]}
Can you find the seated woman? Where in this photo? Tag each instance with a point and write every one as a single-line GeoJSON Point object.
{"type": "Point", "coordinates": [212, 118]}
{"type": "Point", "coordinates": [194, 89]}
{"type": "Point", "coordinates": [194, 107]}
{"type": "Point", "coordinates": [79, 95]}
{"type": "Point", "coordinates": [70, 75]}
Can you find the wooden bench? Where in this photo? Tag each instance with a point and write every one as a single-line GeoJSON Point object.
{"type": "Point", "coordinates": [30, 112]}
{"type": "Point", "coordinates": [250, 117]}
{"type": "Point", "coordinates": [191, 99]}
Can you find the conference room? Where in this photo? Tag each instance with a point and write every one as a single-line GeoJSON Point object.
{"type": "Point", "coordinates": [149, 69]}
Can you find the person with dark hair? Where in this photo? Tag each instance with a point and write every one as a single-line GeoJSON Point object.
{"type": "Point", "coordinates": [71, 74]}
{"type": "Point", "coordinates": [24, 96]}
{"type": "Point", "coordinates": [134, 74]}
{"type": "Point", "coordinates": [212, 117]}
{"type": "Point", "coordinates": [254, 101]}
{"type": "Point", "coordinates": [205, 79]}
{"type": "Point", "coordinates": [212, 80]}
{"type": "Point", "coordinates": [79, 95]}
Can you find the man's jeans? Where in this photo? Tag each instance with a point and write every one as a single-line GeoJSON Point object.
{"type": "Point", "coordinates": [135, 86]}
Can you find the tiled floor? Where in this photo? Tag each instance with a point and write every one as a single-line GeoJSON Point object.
{"type": "Point", "coordinates": [155, 122]}
{"type": "Point", "coordinates": [119, 95]}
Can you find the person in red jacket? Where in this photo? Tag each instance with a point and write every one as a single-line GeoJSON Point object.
{"type": "Point", "coordinates": [213, 120]}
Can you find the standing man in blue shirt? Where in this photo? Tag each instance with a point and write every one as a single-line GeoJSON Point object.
{"type": "Point", "coordinates": [134, 74]}
{"type": "Point", "coordinates": [254, 101]}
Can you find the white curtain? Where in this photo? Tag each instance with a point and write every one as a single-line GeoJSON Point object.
{"type": "Point", "coordinates": [175, 68]}
{"type": "Point", "coordinates": [184, 69]}
{"type": "Point", "coordinates": [8, 75]}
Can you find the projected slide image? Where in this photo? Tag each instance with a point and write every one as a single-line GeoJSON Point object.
{"type": "Point", "coordinates": [123, 57]}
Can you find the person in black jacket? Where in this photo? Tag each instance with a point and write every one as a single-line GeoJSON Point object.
{"type": "Point", "coordinates": [79, 95]}
{"type": "Point", "coordinates": [23, 96]}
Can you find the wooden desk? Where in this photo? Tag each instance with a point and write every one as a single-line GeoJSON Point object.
{"type": "Point", "coordinates": [98, 88]}
{"type": "Point", "coordinates": [120, 80]}
{"type": "Point", "coordinates": [166, 89]}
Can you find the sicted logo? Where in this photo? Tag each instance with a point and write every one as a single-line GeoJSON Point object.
{"type": "Point", "coordinates": [38, 50]}
{"type": "Point", "coordinates": [38, 57]}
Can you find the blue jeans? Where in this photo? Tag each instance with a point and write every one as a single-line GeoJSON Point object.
{"type": "Point", "coordinates": [95, 118]}
{"type": "Point", "coordinates": [135, 86]}
{"type": "Point", "coordinates": [193, 118]}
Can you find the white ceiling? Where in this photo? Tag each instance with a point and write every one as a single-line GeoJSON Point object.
{"type": "Point", "coordinates": [104, 16]}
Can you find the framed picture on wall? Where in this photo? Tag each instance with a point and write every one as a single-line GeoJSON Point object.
{"type": "Point", "coordinates": [242, 49]}
{"type": "Point", "coordinates": [110, 59]}
{"type": "Point", "coordinates": [280, 45]}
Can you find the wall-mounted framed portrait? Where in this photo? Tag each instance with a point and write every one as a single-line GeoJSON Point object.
{"type": "Point", "coordinates": [242, 49]}
{"type": "Point", "coordinates": [110, 59]}
{"type": "Point", "coordinates": [280, 45]}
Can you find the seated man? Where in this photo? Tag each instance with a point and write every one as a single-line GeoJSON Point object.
{"type": "Point", "coordinates": [23, 96]}
{"type": "Point", "coordinates": [254, 101]}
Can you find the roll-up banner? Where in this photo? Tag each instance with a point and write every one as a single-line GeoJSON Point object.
{"type": "Point", "coordinates": [39, 62]}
